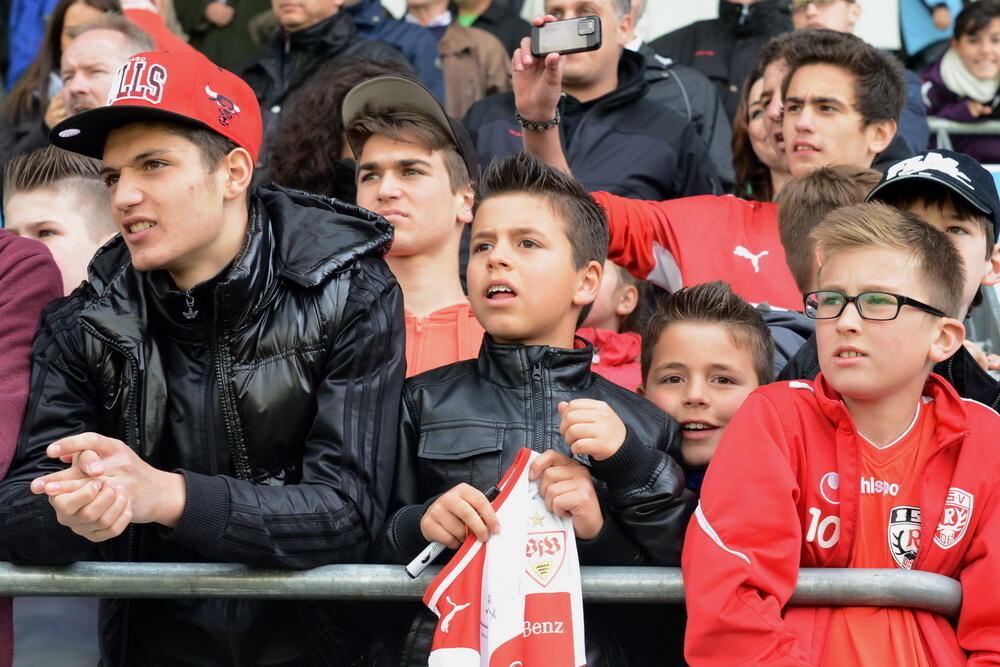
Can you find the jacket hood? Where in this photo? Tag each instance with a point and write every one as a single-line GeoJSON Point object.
{"type": "Point", "coordinates": [306, 227]}
{"type": "Point", "coordinates": [512, 364]}
{"type": "Point", "coordinates": [791, 320]}
{"type": "Point", "coordinates": [632, 82]}
{"type": "Point", "coordinates": [744, 20]}
{"type": "Point", "coordinates": [614, 348]}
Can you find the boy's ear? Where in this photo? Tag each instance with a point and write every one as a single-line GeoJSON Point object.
{"type": "Point", "coordinates": [880, 135]}
{"type": "Point", "coordinates": [627, 300]}
{"type": "Point", "coordinates": [993, 276]}
{"type": "Point", "coordinates": [950, 336]}
{"type": "Point", "coordinates": [641, 389]}
{"type": "Point", "coordinates": [238, 168]}
{"type": "Point", "coordinates": [589, 283]}
{"type": "Point", "coordinates": [468, 195]}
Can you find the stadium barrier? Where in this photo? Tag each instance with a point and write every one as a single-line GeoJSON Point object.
{"type": "Point", "coordinates": [943, 129]}
{"type": "Point", "coordinates": [816, 587]}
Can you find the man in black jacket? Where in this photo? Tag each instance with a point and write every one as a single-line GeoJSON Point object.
{"type": "Point", "coordinates": [224, 388]}
{"type": "Point", "coordinates": [312, 33]}
{"type": "Point", "coordinates": [616, 137]}
{"type": "Point", "coordinates": [725, 48]}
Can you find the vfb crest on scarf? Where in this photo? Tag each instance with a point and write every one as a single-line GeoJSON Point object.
{"type": "Point", "coordinates": [545, 553]}
{"type": "Point", "coordinates": [955, 518]}
{"type": "Point", "coordinates": [904, 535]}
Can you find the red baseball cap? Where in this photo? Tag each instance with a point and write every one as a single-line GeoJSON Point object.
{"type": "Point", "coordinates": [178, 86]}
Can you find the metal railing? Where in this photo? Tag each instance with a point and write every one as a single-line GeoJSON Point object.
{"type": "Point", "coordinates": [943, 129]}
{"type": "Point", "coordinates": [816, 587]}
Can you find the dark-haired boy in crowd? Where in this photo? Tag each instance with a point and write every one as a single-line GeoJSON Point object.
{"type": "Point", "coordinates": [538, 243]}
{"type": "Point", "coordinates": [876, 464]}
{"type": "Point", "coordinates": [57, 197]}
{"type": "Point", "coordinates": [417, 168]}
{"type": "Point", "coordinates": [703, 351]}
{"type": "Point", "coordinates": [956, 195]}
{"type": "Point", "coordinates": [843, 98]}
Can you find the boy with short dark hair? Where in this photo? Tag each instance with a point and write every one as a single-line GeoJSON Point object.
{"type": "Point", "coordinates": [876, 464]}
{"type": "Point", "coordinates": [837, 81]}
{"type": "Point", "coordinates": [704, 350]}
{"type": "Point", "coordinates": [538, 243]}
{"type": "Point", "coordinates": [418, 168]}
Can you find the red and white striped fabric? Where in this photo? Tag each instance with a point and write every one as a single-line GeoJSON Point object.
{"type": "Point", "coordinates": [514, 601]}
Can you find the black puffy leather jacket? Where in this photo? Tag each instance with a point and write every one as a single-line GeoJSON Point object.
{"type": "Point", "coordinates": [466, 422]}
{"type": "Point", "coordinates": [277, 401]}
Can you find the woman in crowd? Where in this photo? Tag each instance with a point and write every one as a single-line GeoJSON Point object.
{"type": "Point", "coordinates": [760, 171]}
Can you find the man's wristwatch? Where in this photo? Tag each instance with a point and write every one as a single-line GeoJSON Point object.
{"type": "Point", "coordinates": [534, 125]}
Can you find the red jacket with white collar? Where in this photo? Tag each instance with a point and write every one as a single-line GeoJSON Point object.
{"type": "Point", "coordinates": [763, 492]}
{"type": "Point", "coordinates": [695, 240]}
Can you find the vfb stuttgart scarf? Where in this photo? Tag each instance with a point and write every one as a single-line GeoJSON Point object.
{"type": "Point", "coordinates": [514, 601]}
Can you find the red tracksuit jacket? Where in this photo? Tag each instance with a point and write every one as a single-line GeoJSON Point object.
{"type": "Point", "coordinates": [744, 549]}
{"type": "Point", "coordinates": [695, 240]}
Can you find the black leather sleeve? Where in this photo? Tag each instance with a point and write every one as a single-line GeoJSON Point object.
{"type": "Point", "coordinates": [648, 496]}
{"type": "Point", "coordinates": [338, 508]}
{"type": "Point", "coordinates": [401, 539]}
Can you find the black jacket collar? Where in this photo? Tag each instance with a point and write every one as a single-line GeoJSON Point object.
{"type": "Point", "coordinates": [328, 37]}
{"type": "Point", "coordinates": [512, 365]}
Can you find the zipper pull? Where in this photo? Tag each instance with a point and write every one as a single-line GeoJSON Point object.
{"type": "Point", "coordinates": [190, 313]}
{"type": "Point", "coordinates": [536, 373]}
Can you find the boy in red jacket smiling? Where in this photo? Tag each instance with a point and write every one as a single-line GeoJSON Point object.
{"type": "Point", "coordinates": [875, 464]}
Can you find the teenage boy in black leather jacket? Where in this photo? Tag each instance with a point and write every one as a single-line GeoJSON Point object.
{"type": "Point", "coordinates": [538, 245]}
{"type": "Point", "coordinates": [226, 384]}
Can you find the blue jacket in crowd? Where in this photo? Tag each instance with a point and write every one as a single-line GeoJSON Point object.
{"type": "Point", "coordinates": [25, 31]}
{"type": "Point", "coordinates": [416, 42]}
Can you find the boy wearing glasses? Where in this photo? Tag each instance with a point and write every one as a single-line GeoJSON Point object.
{"type": "Point", "coordinates": [876, 464]}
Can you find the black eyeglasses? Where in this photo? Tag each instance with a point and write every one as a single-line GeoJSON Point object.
{"type": "Point", "coordinates": [828, 305]}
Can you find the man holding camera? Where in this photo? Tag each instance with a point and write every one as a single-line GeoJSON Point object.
{"type": "Point", "coordinates": [615, 137]}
